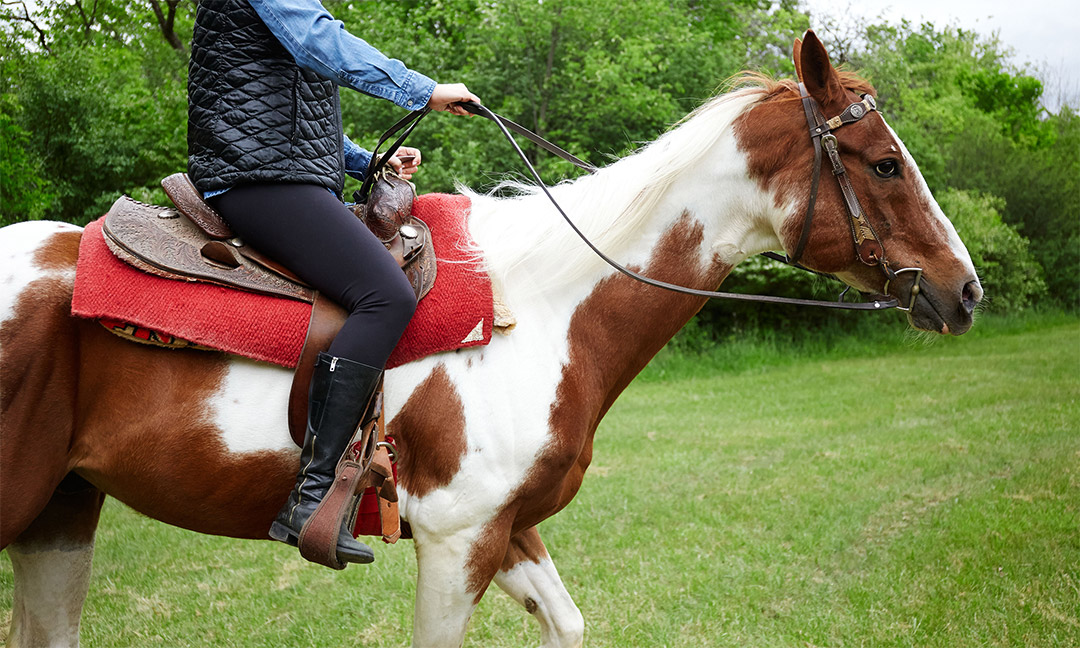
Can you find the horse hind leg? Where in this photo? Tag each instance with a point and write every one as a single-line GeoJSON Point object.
{"type": "Point", "coordinates": [51, 564]}
{"type": "Point", "coordinates": [528, 575]}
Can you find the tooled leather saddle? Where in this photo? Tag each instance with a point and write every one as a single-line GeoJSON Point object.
{"type": "Point", "coordinates": [193, 243]}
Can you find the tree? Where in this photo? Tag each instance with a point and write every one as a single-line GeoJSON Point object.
{"type": "Point", "coordinates": [97, 101]}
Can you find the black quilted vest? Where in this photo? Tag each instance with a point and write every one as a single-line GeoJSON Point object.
{"type": "Point", "coordinates": [253, 114]}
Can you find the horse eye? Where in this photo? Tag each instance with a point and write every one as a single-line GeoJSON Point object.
{"type": "Point", "coordinates": [886, 169]}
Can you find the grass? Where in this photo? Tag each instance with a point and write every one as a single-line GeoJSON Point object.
{"type": "Point", "coordinates": [884, 493]}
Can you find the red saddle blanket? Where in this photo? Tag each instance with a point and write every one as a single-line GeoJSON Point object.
{"type": "Point", "coordinates": [456, 313]}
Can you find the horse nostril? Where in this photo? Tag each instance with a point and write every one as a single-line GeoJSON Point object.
{"type": "Point", "coordinates": [971, 295]}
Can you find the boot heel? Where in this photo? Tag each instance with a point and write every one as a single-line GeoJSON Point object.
{"type": "Point", "coordinates": [282, 533]}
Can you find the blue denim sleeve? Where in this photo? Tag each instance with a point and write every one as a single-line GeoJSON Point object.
{"type": "Point", "coordinates": [356, 159]}
{"type": "Point", "coordinates": [321, 44]}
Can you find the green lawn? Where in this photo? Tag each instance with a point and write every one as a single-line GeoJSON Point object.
{"type": "Point", "coordinates": [910, 495]}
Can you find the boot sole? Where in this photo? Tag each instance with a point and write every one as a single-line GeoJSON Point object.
{"type": "Point", "coordinates": [282, 533]}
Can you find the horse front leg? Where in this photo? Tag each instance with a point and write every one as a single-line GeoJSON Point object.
{"type": "Point", "coordinates": [51, 564]}
{"type": "Point", "coordinates": [528, 575]}
{"type": "Point", "coordinates": [454, 571]}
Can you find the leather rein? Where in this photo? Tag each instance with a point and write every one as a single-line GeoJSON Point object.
{"type": "Point", "coordinates": [868, 247]}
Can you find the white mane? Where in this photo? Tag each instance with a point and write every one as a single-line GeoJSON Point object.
{"type": "Point", "coordinates": [525, 233]}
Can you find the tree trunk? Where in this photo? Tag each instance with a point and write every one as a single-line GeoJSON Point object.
{"type": "Point", "coordinates": [167, 24]}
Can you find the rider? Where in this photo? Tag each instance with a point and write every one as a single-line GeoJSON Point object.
{"type": "Point", "coordinates": [266, 148]}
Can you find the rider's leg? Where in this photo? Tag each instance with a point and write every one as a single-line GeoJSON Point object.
{"type": "Point", "coordinates": [306, 228]}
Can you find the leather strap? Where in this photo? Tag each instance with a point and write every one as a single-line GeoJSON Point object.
{"type": "Point", "coordinates": [867, 245]}
{"type": "Point", "coordinates": [389, 517]}
{"type": "Point", "coordinates": [477, 109]}
{"type": "Point", "coordinates": [319, 537]}
{"type": "Point", "coordinates": [378, 162]}
{"type": "Point", "coordinates": [812, 118]}
{"type": "Point", "coordinates": [327, 319]}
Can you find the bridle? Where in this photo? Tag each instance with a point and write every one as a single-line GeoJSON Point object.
{"type": "Point", "coordinates": [868, 247]}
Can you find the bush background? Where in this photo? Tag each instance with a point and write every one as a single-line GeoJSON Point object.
{"type": "Point", "coordinates": [93, 105]}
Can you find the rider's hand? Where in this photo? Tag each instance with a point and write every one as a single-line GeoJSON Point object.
{"type": "Point", "coordinates": [405, 161]}
{"type": "Point", "coordinates": [446, 96]}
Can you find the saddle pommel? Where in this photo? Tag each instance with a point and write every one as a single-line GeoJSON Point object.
{"type": "Point", "coordinates": [189, 202]}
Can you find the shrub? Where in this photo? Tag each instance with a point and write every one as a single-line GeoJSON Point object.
{"type": "Point", "coordinates": [1009, 273]}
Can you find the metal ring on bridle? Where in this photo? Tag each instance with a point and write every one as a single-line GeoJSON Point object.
{"type": "Point", "coordinates": [916, 288]}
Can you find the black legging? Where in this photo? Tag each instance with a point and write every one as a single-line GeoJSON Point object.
{"type": "Point", "coordinates": [309, 231]}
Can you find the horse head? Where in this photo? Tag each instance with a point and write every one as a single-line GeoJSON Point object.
{"type": "Point", "coordinates": [901, 244]}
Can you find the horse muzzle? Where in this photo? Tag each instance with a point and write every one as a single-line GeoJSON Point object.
{"type": "Point", "coordinates": [934, 307]}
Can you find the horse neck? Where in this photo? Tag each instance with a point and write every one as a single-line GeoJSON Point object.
{"type": "Point", "coordinates": [702, 223]}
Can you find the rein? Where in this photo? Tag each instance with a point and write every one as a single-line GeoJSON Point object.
{"type": "Point", "coordinates": [868, 247]}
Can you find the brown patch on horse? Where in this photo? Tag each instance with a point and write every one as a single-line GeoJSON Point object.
{"type": "Point", "coordinates": [608, 347]}
{"type": "Point", "coordinates": [525, 546]}
{"type": "Point", "coordinates": [146, 437]}
{"type": "Point", "coordinates": [780, 157]}
{"type": "Point", "coordinates": [430, 435]}
{"type": "Point", "coordinates": [609, 344]}
{"type": "Point", "coordinates": [488, 553]}
{"type": "Point", "coordinates": [38, 380]}
{"type": "Point", "coordinates": [59, 252]}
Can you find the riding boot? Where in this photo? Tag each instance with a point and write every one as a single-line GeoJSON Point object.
{"type": "Point", "coordinates": [338, 396]}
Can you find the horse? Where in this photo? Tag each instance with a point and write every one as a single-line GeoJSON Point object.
{"type": "Point", "coordinates": [493, 439]}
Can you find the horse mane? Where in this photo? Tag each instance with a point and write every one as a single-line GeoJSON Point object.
{"type": "Point", "coordinates": [770, 87]}
{"type": "Point", "coordinates": [524, 233]}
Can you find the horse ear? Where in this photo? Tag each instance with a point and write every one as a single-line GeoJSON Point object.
{"type": "Point", "coordinates": [817, 72]}
{"type": "Point", "coordinates": [796, 56]}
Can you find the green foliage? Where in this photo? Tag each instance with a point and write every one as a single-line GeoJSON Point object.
{"type": "Point", "coordinates": [1012, 99]}
{"type": "Point", "coordinates": [103, 109]}
{"type": "Point", "coordinates": [1040, 185]}
{"type": "Point", "coordinates": [24, 193]}
{"type": "Point", "coordinates": [93, 105]}
{"type": "Point", "coordinates": [1009, 273]}
{"type": "Point", "coordinates": [99, 133]}
{"type": "Point", "coordinates": [598, 77]}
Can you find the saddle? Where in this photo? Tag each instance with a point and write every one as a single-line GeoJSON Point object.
{"type": "Point", "coordinates": [191, 242]}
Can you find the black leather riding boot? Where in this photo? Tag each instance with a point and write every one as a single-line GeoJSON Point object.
{"type": "Point", "coordinates": [337, 398]}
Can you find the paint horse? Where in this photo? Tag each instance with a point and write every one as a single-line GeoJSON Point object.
{"type": "Point", "coordinates": [492, 440]}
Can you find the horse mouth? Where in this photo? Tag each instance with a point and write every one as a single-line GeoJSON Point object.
{"type": "Point", "coordinates": [926, 314]}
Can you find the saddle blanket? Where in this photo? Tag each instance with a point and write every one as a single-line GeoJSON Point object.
{"type": "Point", "coordinates": [457, 313]}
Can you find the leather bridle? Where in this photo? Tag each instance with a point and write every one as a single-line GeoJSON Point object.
{"type": "Point", "coordinates": [868, 246]}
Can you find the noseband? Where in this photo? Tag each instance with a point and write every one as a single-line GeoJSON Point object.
{"type": "Point", "coordinates": [868, 247]}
